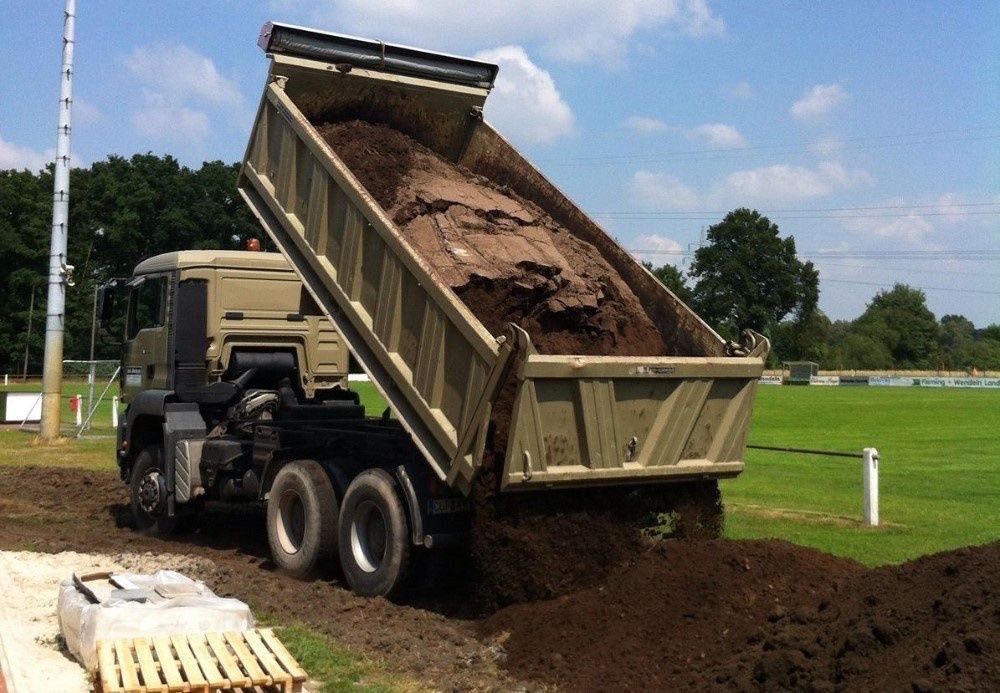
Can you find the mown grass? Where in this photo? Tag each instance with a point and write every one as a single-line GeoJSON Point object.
{"type": "Point", "coordinates": [335, 668]}
{"type": "Point", "coordinates": [939, 471]}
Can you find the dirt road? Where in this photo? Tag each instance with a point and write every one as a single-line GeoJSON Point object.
{"type": "Point", "coordinates": [701, 615]}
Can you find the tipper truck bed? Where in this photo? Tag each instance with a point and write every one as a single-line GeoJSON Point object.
{"type": "Point", "coordinates": [577, 420]}
{"type": "Point", "coordinates": [380, 490]}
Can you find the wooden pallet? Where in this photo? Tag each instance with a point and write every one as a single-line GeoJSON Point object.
{"type": "Point", "coordinates": [199, 662]}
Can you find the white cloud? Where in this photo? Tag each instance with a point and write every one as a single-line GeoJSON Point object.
{"type": "Point", "coordinates": [663, 192]}
{"type": "Point", "coordinates": [818, 102]}
{"type": "Point", "coordinates": [178, 88]}
{"type": "Point", "coordinates": [525, 103]}
{"type": "Point", "coordinates": [571, 30]}
{"type": "Point", "coordinates": [181, 73]}
{"type": "Point", "coordinates": [158, 118]}
{"type": "Point", "coordinates": [718, 136]}
{"type": "Point", "coordinates": [641, 125]}
{"type": "Point", "coordinates": [659, 249]}
{"type": "Point", "coordinates": [913, 228]}
{"type": "Point", "coordinates": [767, 185]}
{"type": "Point", "coordinates": [741, 91]}
{"type": "Point", "coordinates": [951, 209]}
{"type": "Point", "coordinates": [13, 156]}
{"type": "Point", "coordinates": [786, 183]}
{"type": "Point", "coordinates": [85, 113]}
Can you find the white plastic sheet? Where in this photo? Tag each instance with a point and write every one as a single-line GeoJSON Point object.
{"type": "Point", "coordinates": [84, 623]}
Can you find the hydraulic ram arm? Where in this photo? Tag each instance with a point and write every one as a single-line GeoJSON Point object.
{"type": "Point", "coordinates": [286, 39]}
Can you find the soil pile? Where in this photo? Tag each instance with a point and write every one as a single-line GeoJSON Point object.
{"type": "Point", "coordinates": [506, 258]}
{"type": "Point", "coordinates": [765, 615]}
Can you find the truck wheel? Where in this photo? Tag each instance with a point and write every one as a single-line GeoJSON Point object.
{"type": "Point", "coordinates": [302, 518]}
{"type": "Point", "coordinates": [148, 495]}
{"type": "Point", "coordinates": [374, 535]}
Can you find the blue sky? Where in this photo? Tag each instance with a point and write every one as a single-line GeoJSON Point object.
{"type": "Point", "coordinates": [869, 131]}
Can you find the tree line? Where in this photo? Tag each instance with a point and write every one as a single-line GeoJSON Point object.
{"type": "Point", "coordinates": [123, 210]}
{"type": "Point", "coordinates": [747, 275]}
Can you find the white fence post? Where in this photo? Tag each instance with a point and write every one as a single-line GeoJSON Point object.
{"type": "Point", "coordinates": [870, 473]}
{"type": "Point", "coordinates": [79, 410]}
{"type": "Point", "coordinates": [114, 412]}
{"type": "Point", "coordinates": [5, 381]}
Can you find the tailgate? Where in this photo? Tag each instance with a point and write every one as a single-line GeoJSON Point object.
{"type": "Point", "coordinates": [596, 420]}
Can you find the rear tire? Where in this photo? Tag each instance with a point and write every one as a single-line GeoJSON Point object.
{"type": "Point", "coordinates": [302, 517]}
{"type": "Point", "coordinates": [374, 536]}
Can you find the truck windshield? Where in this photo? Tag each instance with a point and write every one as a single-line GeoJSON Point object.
{"type": "Point", "coordinates": [147, 305]}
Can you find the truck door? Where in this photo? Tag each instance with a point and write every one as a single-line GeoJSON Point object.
{"type": "Point", "coordinates": [146, 335]}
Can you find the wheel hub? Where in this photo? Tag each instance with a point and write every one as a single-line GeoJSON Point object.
{"type": "Point", "coordinates": [151, 492]}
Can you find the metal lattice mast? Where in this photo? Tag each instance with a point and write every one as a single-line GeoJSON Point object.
{"type": "Point", "coordinates": [58, 269]}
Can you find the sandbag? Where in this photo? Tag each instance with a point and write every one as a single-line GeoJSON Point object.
{"type": "Point", "coordinates": [148, 607]}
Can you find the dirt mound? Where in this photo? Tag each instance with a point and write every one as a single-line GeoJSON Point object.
{"type": "Point", "coordinates": [506, 258]}
{"type": "Point", "coordinates": [765, 615]}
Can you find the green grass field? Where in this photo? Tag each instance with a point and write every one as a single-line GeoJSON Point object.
{"type": "Point", "coordinates": [939, 471]}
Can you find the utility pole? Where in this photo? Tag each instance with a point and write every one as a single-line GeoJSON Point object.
{"type": "Point", "coordinates": [27, 342]}
{"type": "Point", "coordinates": [59, 271]}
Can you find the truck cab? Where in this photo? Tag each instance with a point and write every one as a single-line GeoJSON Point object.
{"type": "Point", "coordinates": [195, 315]}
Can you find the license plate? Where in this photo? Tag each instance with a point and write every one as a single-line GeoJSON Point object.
{"type": "Point", "coordinates": [444, 506]}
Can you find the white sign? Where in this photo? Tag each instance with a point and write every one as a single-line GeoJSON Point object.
{"type": "Point", "coordinates": [991, 383]}
{"type": "Point", "coordinates": [770, 380]}
{"type": "Point", "coordinates": [23, 406]}
{"type": "Point", "coordinates": [824, 380]}
{"type": "Point", "coordinates": [890, 381]}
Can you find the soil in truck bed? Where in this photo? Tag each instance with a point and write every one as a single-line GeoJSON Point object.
{"type": "Point", "coordinates": [506, 258]}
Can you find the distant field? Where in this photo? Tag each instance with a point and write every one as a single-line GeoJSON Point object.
{"type": "Point", "coordinates": [101, 422]}
{"type": "Point", "coordinates": [940, 470]}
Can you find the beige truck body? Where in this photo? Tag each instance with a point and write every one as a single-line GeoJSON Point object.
{"type": "Point", "coordinates": [255, 301]}
{"type": "Point", "coordinates": [577, 420]}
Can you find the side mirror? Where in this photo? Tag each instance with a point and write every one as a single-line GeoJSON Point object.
{"type": "Point", "coordinates": [106, 304]}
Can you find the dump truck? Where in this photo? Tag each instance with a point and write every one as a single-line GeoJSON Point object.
{"type": "Point", "coordinates": [378, 492]}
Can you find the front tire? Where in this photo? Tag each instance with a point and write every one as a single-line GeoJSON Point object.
{"type": "Point", "coordinates": [148, 495]}
{"type": "Point", "coordinates": [302, 516]}
{"type": "Point", "coordinates": [374, 535]}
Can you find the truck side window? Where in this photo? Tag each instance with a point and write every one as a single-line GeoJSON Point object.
{"type": "Point", "coordinates": [147, 306]}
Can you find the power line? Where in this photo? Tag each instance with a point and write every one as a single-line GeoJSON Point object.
{"type": "Point", "coordinates": [669, 216]}
{"type": "Point", "coordinates": [848, 144]}
{"type": "Point", "coordinates": [834, 209]}
{"type": "Point", "coordinates": [922, 288]}
{"type": "Point", "coordinates": [964, 255]}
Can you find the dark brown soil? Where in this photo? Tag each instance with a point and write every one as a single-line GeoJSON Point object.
{"type": "Point", "coordinates": [765, 615]}
{"type": "Point", "coordinates": [687, 615]}
{"type": "Point", "coordinates": [51, 510]}
{"type": "Point", "coordinates": [506, 258]}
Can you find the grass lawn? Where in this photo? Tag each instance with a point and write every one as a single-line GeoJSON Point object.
{"type": "Point", "coordinates": [939, 471]}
